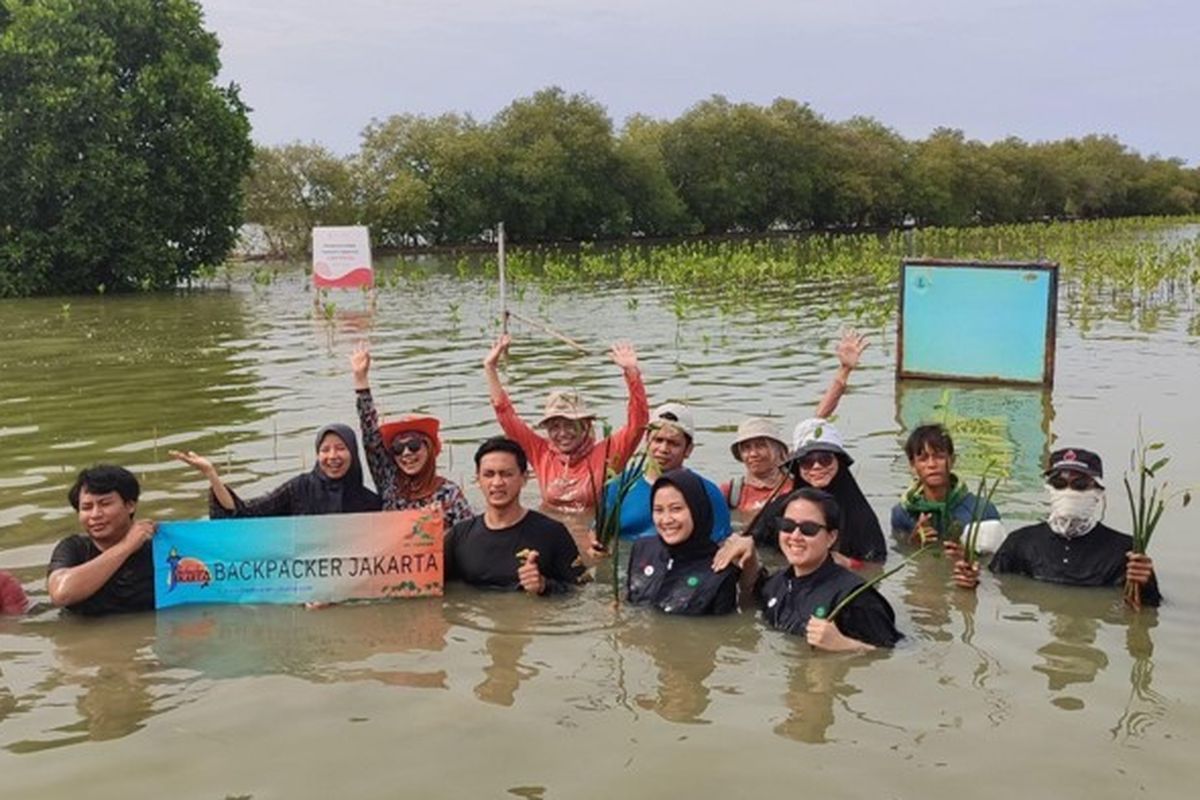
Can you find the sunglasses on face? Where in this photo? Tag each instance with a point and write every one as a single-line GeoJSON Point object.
{"type": "Point", "coordinates": [413, 444]}
{"type": "Point", "coordinates": [1080, 483]}
{"type": "Point", "coordinates": [807, 527]}
{"type": "Point", "coordinates": [816, 458]}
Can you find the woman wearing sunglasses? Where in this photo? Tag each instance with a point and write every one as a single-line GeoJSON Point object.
{"type": "Point", "coordinates": [334, 486]}
{"type": "Point", "coordinates": [673, 571]}
{"type": "Point", "coordinates": [402, 454]}
{"type": "Point", "coordinates": [799, 598]}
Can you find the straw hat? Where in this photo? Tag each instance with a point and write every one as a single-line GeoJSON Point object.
{"type": "Point", "coordinates": [565, 403]}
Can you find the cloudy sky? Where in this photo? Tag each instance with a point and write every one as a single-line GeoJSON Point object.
{"type": "Point", "coordinates": [322, 69]}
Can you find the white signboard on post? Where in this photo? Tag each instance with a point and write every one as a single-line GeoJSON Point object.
{"type": "Point", "coordinates": [342, 256]}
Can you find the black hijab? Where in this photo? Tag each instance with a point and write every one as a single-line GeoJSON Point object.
{"type": "Point", "coordinates": [861, 536]}
{"type": "Point", "coordinates": [320, 494]}
{"type": "Point", "coordinates": [699, 544]}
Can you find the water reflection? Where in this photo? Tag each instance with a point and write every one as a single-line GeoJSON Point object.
{"type": "Point", "coordinates": [1078, 621]}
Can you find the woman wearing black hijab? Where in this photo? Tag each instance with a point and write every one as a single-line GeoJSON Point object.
{"type": "Point", "coordinates": [672, 570]}
{"type": "Point", "coordinates": [819, 461]}
{"type": "Point", "coordinates": [333, 486]}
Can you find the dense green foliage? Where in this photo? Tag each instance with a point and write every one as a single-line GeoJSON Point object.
{"type": "Point", "coordinates": [121, 161]}
{"type": "Point", "coordinates": [552, 168]}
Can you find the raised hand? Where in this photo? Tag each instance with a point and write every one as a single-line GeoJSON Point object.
{"type": "Point", "coordinates": [850, 348]}
{"type": "Point", "coordinates": [195, 461]}
{"type": "Point", "coordinates": [499, 349]}
{"type": "Point", "coordinates": [624, 356]}
{"type": "Point", "coordinates": [360, 366]}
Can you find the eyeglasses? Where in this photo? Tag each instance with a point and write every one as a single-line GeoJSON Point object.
{"type": "Point", "coordinates": [1079, 484]}
{"type": "Point", "coordinates": [412, 444]}
{"type": "Point", "coordinates": [807, 527]}
{"type": "Point", "coordinates": [815, 458]}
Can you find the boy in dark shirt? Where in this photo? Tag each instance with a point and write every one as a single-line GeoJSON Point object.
{"type": "Point", "coordinates": [1072, 546]}
{"type": "Point", "coordinates": [509, 546]}
{"type": "Point", "coordinates": [108, 569]}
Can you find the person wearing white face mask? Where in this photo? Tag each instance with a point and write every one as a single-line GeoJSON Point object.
{"type": "Point", "coordinates": [1072, 546]}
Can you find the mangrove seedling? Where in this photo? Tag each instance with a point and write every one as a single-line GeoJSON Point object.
{"type": "Point", "coordinates": [1146, 510]}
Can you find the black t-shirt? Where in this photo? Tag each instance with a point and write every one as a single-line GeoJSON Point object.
{"type": "Point", "coordinates": [787, 602]}
{"type": "Point", "coordinates": [487, 557]}
{"type": "Point", "coordinates": [676, 586]}
{"type": "Point", "coordinates": [1095, 559]}
{"type": "Point", "coordinates": [131, 587]}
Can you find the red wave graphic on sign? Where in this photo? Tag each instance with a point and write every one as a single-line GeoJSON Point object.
{"type": "Point", "coordinates": [361, 276]}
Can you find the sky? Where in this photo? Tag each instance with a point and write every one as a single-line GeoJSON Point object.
{"type": "Point", "coordinates": [321, 70]}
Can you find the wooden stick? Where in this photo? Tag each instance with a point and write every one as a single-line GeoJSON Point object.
{"type": "Point", "coordinates": [547, 329]}
{"type": "Point", "coordinates": [503, 278]}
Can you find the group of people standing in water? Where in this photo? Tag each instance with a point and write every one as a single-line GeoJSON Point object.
{"type": "Point", "coordinates": [799, 498]}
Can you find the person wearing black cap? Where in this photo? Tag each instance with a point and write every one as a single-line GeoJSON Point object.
{"type": "Point", "coordinates": [673, 571]}
{"type": "Point", "coordinates": [1072, 546]}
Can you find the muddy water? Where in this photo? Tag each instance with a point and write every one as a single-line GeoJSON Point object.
{"type": "Point", "coordinates": [1024, 689]}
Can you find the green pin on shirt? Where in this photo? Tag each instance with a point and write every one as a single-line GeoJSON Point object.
{"type": "Point", "coordinates": [820, 612]}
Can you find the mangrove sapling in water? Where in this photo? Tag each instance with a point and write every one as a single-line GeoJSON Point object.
{"type": "Point", "coordinates": [880, 578]}
{"type": "Point", "coordinates": [606, 522]}
{"type": "Point", "coordinates": [983, 498]}
{"type": "Point", "coordinates": [1147, 511]}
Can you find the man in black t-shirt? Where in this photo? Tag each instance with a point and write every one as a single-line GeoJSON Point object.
{"type": "Point", "coordinates": [1072, 546]}
{"type": "Point", "coordinates": [108, 569]}
{"type": "Point", "coordinates": [509, 546]}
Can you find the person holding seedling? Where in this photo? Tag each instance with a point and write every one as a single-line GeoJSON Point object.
{"type": "Point", "coordinates": [937, 505]}
{"type": "Point", "coordinates": [509, 546]}
{"type": "Point", "coordinates": [670, 439]}
{"type": "Point", "coordinates": [570, 465]}
{"type": "Point", "coordinates": [1072, 546]}
{"type": "Point", "coordinates": [833, 607]}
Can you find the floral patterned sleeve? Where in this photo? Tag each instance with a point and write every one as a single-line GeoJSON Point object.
{"type": "Point", "coordinates": [379, 460]}
{"type": "Point", "coordinates": [455, 507]}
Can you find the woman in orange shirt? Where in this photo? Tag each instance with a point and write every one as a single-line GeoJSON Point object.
{"type": "Point", "coordinates": [567, 460]}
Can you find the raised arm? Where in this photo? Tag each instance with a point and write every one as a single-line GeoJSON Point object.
{"type": "Point", "coordinates": [849, 349]}
{"type": "Point", "coordinates": [220, 491]}
{"type": "Point", "coordinates": [70, 585]}
{"type": "Point", "coordinates": [491, 369]}
{"type": "Point", "coordinates": [510, 421]}
{"type": "Point", "coordinates": [379, 459]}
{"type": "Point", "coordinates": [637, 414]}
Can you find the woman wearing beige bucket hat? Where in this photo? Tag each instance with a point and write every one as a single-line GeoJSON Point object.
{"type": "Point", "coordinates": [568, 461]}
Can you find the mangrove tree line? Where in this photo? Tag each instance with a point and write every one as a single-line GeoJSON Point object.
{"type": "Point", "coordinates": [553, 168]}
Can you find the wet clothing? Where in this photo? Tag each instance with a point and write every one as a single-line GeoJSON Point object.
{"type": "Point", "coordinates": [573, 483]}
{"type": "Point", "coordinates": [750, 497]}
{"type": "Point", "coordinates": [636, 520]}
{"type": "Point", "coordinates": [446, 495]}
{"type": "Point", "coordinates": [487, 557]}
{"type": "Point", "coordinates": [678, 578]}
{"type": "Point", "coordinates": [311, 493]}
{"type": "Point", "coordinates": [131, 587]}
{"type": "Point", "coordinates": [949, 518]}
{"type": "Point", "coordinates": [12, 595]}
{"type": "Point", "coordinates": [787, 602]}
{"type": "Point", "coordinates": [1096, 558]}
{"type": "Point", "coordinates": [679, 586]}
